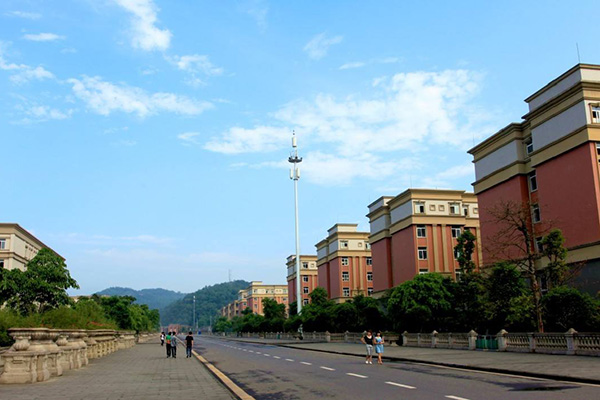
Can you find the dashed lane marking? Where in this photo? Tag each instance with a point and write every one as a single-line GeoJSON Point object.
{"type": "Point", "coordinates": [289, 359]}
{"type": "Point", "coordinates": [356, 375]}
{"type": "Point", "coordinates": [277, 357]}
{"type": "Point", "coordinates": [267, 355]}
{"type": "Point", "coordinates": [327, 368]}
{"type": "Point", "coordinates": [305, 363]}
{"type": "Point", "coordinates": [401, 385]}
{"type": "Point", "coordinates": [455, 398]}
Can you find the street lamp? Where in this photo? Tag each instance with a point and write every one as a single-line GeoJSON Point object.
{"type": "Point", "coordinates": [295, 176]}
{"type": "Point", "coordinates": [194, 315]}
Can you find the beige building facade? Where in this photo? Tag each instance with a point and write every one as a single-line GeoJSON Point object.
{"type": "Point", "coordinates": [252, 297]}
{"type": "Point", "coordinates": [308, 275]}
{"type": "Point", "coordinates": [344, 263]}
{"type": "Point", "coordinates": [17, 246]}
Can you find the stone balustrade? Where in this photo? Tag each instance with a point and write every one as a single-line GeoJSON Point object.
{"type": "Point", "coordinates": [41, 353]}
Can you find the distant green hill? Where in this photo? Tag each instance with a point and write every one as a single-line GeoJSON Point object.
{"type": "Point", "coordinates": [154, 298]}
{"type": "Point", "coordinates": [209, 301]}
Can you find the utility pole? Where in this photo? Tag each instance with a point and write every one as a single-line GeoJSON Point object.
{"type": "Point", "coordinates": [295, 176]}
{"type": "Point", "coordinates": [194, 316]}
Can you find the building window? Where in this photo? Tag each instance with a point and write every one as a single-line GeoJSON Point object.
{"type": "Point", "coordinates": [535, 211]}
{"type": "Point", "coordinates": [305, 278]}
{"type": "Point", "coordinates": [345, 276]}
{"type": "Point", "coordinates": [2, 244]}
{"type": "Point", "coordinates": [345, 261]}
{"type": "Point", "coordinates": [346, 292]}
{"type": "Point", "coordinates": [533, 181]}
{"type": "Point", "coordinates": [458, 274]}
{"type": "Point", "coordinates": [369, 261]}
{"type": "Point", "coordinates": [367, 246]}
{"type": "Point", "coordinates": [344, 244]}
{"type": "Point", "coordinates": [456, 254]}
{"type": "Point", "coordinates": [305, 290]}
{"type": "Point", "coordinates": [305, 265]}
{"type": "Point", "coordinates": [420, 208]}
{"type": "Point", "coordinates": [370, 291]}
{"type": "Point", "coordinates": [456, 231]}
{"type": "Point", "coordinates": [466, 211]}
{"type": "Point", "coordinates": [369, 277]}
{"type": "Point", "coordinates": [454, 209]}
{"type": "Point", "coordinates": [529, 146]}
{"type": "Point", "coordinates": [423, 271]}
{"type": "Point", "coordinates": [538, 244]}
{"type": "Point", "coordinates": [1, 264]}
{"type": "Point", "coordinates": [422, 253]}
{"type": "Point", "coordinates": [596, 114]}
{"type": "Point", "coordinates": [305, 301]}
{"type": "Point", "coordinates": [421, 231]}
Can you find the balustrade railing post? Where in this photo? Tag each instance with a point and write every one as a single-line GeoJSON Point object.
{"type": "Point", "coordinates": [531, 337]}
{"type": "Point", "coordinates": [346, 338]}
{"type": "Point", "coordinates": [405, 338]}
{"type": "Point", "coordinates": [434, 339]}
{"type": "Point", "coordinates": [502, 342]}
{"type": "Point", "coordinates": [472, 340]}
{"type": "Point", "coordinates": [572, 342]}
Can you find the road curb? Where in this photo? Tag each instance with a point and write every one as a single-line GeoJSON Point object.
{"type": "Point", "coordinates": [224, 379]}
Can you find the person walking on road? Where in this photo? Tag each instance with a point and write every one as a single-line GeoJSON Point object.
{"type": "Point", "coordinates": [162, 338]}
{"type": "Point", "coordinates": [173, 345]}
{"type": "Point", "coordinates": [189, 342]}
{"type": "Point", "coordinates": [168, 340]}
{"type": "Point", "coordinates": [379, 342]}
{"type": "Point", "coordinates": [368, 341]}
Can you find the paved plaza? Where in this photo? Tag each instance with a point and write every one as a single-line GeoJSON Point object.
{"type": "Point", "coordinates": [141, 372]}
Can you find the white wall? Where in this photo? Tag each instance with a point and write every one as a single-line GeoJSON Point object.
{"type": "Point", "coordinates": [498, 159]}
{"type": "Point", "coordinates": [559, 126]}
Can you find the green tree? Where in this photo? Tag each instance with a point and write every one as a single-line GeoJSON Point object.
{"type": "Point", "coordinates": [422, 304]}
{"type": "Point", "coordinates": [222, 324]}
{"type": "Point", "coordinates": [274, 316]}
{"type": "Point", "coordinates": [465, 246]}
{"type": "Point", "coordinates": [469, 302]}
{"type": "Point", "coordinates": [370, 315]}
{"type": "Point", "coordinates": [43, 285]}
{"type": "Point", "coordinates": [569, 308]}
{"type": "Point", "coordinates": [508, 301]}
{"type": "Point", "coordinates": [320, 298]}
{"type": "Point", "coordinates": [557, 272]}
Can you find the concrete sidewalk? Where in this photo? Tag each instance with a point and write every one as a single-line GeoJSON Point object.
{"type": "Point", "coordinates": [557, 367]}
{"type": "Point", "coordinates": [141, 372]}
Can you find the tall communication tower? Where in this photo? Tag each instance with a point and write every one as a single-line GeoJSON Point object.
{"type": "Point", "coordinates": [295, 176]}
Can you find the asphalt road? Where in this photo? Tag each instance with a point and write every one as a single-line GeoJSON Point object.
{"type": "Point", "coordinates": [269, 372]}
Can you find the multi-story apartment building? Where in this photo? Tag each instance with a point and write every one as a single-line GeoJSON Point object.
{"type": "Point", "coordinates": [415, 233]}
{"type": "Point", "coordinates": [17, 246]}
{"type": "Point", "coordinates": [252, 297]}
{"type": "Point", "coordinates": [308, 274]}
{"type": "Point", "coordinates": [344, 263]}
{"type": "Point", "coordinates": [550, 161]}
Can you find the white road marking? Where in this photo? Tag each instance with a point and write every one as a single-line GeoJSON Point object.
{"type": "Point", "coordinates": [328, 369]}
{"type": "Point", "coordinates": [289, 359]}
{"type": "Point", "coordinates": [401, 385]}
{"type": "Point", "coordinates": [258, 352]}
{"type": "Point", "coordinates": [267, 355]}
{"type": "Point", "coordinates": [251, 351]}
{"type": "Point", "coordinates": [455, 398]}
{"type": "Point", "coordinates": [356, 375]}
{"type": "Point", "coordinates": [305, 363]}
{"type": "Point", "coordinates": [277, 357]}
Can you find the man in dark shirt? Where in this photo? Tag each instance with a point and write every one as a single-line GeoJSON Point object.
{"type": "Point", "coordinates": [189, 342]}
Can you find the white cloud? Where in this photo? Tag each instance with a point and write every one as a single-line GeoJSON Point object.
{"type": "Point", "coordinates": [104, 98]}
{"type": "Point", "coordinates": [28, 74]}
{"type": "Point", "coordinates": [145, 34]}
{"type": "Point", "coordinates": [196, 63]}
{"type": "Point", "coordinates": [257, 9]}
{"type": "Point", "coordinates": [318, 46]}
{"type": "Point", "coordinates": [406, 114]}
{"type": "Point", "coordinates": [256, 140]}
{"type": "Point", "coordinates": [23, 14]}
{"type": "Point", "coordinates": [352, 65]}
{"type": "Point", "coordinates": [188, 138]}
{"type": "Point", "coordinates": [125, 142]}
{"type": "Point", "coordinates": [447, 177]}
{"type": "Point", "coordinates": [43, 37]}
{"type": "Point", "coordinates": [45, 113]}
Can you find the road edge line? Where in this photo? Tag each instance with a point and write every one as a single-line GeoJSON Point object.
{"type": "Point", "coordinates": [229, 384]}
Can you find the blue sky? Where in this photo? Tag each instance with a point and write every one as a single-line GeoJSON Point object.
{"type": "Point", "coordinates": [146, 140]}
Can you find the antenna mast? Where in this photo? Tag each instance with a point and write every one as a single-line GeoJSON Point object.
{"type": "Point", "coordinates": [295, 176]}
